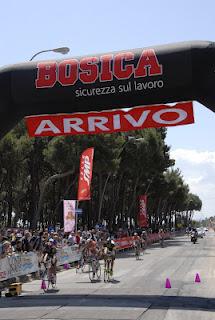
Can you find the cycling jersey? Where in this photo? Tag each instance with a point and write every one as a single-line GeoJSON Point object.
{"type": "Point", "coordinates": [109, 250]}
{"type": "Point", "coordinates": [137, 243]}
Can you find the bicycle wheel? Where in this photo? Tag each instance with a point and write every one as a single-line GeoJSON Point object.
{"type": "Point", "coordinates": [92, 272]}
{"type": "Point", "coordinates": [44, 279]}
{"type": "Point", "coordinates": [105, 275]}
{"type": "Point", "coordinates": [137, 254]}
{"type": "Point", "coordinates": [98, 271]}
{"type": "Point", "coordinates": [107, 272]}
{"type": "Point", "coordinates": [54, 280]}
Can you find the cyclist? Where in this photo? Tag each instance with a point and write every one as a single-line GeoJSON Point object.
{"type": "Point", "coordinates": [137, 244]}
{"type": "Point", "coordinates": [93, 254]}
{"type": "Point", "coordinates": [84, 254]}
{"type": "Point", "coordinates": [109, 253]}
{"type": "Point", "coordinates": [143, 240]}
{"type": "Point", "coordinates": [49, 260]}
{"type": "Point", "coordinates": [161, 237]}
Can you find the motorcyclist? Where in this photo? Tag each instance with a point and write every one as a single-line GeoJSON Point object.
{"type": "Point", "coordinates": [194, 235]}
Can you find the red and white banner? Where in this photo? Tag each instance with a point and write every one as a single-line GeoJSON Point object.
{"type": "Point", "coordinates": [128, 242]}
{"type": "Point", "coordinates": [136, 118]}
{"type": "Point", "coordinates": [142, 214]}
{"type": "Point", "coordinates": [69, 215]}
{"type": "Point", "coordinates": [85, 175]}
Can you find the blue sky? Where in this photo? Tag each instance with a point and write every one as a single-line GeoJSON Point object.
{"type": "Point", "coordinates": [101, 26]}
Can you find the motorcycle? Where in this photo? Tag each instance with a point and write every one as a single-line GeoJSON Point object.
{"type": "Point", "coordinates": [193, 238]}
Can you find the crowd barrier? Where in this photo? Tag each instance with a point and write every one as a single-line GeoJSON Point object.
{"type": "Point", "coordinates": [68, 255]}
{"type": "Point", "coordinates": [127, 242]}
{"type": "Point", "coordinates": [22, 264]}
{"type": "Point", "coordinates": [154, 237]}
{"type": "Point", "coordinates": [18, 265]}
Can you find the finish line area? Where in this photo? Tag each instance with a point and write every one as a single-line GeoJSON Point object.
{"type": "Point", "coordinates": [137, 292]}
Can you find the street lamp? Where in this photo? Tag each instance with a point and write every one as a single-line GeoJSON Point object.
{"type": "Point", "coordinates": [62, 50]}
{"type": "Point", "coordinates": [131, 138]}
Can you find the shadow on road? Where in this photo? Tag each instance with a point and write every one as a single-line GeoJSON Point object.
{"type": "Point", "coordinates": [126, 301]}
{"type": "Point", "coordinates": [167, 243]}
{"type": "Point", "coordinates": [170, 243]}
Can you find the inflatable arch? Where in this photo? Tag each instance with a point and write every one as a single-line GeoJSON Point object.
{"type": "Point", "coordinates": [163, 74]}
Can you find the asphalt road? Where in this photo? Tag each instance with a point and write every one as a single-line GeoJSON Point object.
{"type": "Point", "coordinates": [137, 292]}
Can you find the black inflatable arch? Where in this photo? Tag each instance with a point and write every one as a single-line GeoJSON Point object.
{"type": "Point", "coordinates": [155, 75]}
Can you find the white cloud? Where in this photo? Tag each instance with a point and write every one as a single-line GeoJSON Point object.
{"type": "Point", "coordinates": [194, 156]}
{"type": "Point", "coordinates": [194, 180]}
{"type": "Point", "coordinates": [198, 170]}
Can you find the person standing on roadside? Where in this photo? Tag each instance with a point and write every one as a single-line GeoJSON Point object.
{"type": "Point", "coordinates": [26, 246]}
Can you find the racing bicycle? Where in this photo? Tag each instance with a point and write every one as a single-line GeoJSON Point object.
{"type": "Point", "coordinates": [94, 269]}
{"type": "Point", "coordinates": [48, 278]}
{"type": "Point", "coordinates": [137, 253]}
{"type": "Point", "coordinates": [108, 273]}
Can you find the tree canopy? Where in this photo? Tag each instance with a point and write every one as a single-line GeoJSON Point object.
{"type": "Point", "coordinates": [37, 174]}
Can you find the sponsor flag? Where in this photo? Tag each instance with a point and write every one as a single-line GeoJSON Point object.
{"type": "Point", "coordinates": [69, 215]}
{"type": "Point", "coordinates": [137, 118]}
{"type": "Point", "coordinates": [142, 215]}
{"type": "Point", "coordinates": [85, 175]}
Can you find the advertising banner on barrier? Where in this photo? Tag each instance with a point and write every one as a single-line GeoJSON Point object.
{"type": "Point", "coordinates": [142, 214]}
{"type": "Point", "coordinates": [127, 242]}
{"type": "Point", "coordinates": [69, 215]}
{"type": "Point", "coordinates": [85, 175]}
{"type": "Point", "coordinates": [18, 265]}
{"type": "Point", "coordinates": [137, 118]}
{"type": "Point", "coordinates": [68, 255]}
{"type": "Point", "coordinates": [124, 243]}
{"type": "Point", "coordinates": [26, 263]}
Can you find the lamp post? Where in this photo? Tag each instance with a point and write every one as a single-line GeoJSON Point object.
{"type": "Point", "coordinates": [129, 140]}
{"type": "Point", "coordinates": [62, 50]}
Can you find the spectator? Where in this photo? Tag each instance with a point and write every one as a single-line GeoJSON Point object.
{"type": "Point", "coordinates": [26, 245]}
{"type": "Point", "coordinates": [38, 243]}
{"type": "Point", "coordinates": [18, 246]}
{"type": "Point", "coordinates": [71, 239]}
{"type": "Point", "coordinates": [7, 248]}
{"type": "Point", "coordinates": [1, 245]}
{"type": "Point", "coordinates": [78, 237]}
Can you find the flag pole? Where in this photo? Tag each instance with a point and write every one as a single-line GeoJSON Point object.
{"type": "Point", "coordinates": [76, 216]}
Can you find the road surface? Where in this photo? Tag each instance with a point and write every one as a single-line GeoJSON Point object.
{"type": "Point", "coordinates": [138, 291]}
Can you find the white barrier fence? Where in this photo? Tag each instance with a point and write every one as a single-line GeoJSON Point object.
{"type": "Point", "coordinates": [22, 264]}
{"type": "Point", "coordinates": [18, 265]}
{"type": "Point", "coordinates": [68, 255]}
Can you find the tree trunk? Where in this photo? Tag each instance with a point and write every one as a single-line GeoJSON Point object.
{"type": "Point", "coordinates": [134, 198]}
{"type": "Point", "coordinates": [10, 207]}
{"type": "Point", "coordinates": [102, 197]}
{"type": "Point", "coordinates": [42, 194]}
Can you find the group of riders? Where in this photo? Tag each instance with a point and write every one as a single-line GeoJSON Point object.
{"type": "Point", "coordinates": [90, 250]}
{"type": "Point", "coordinates": [93, 250]}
